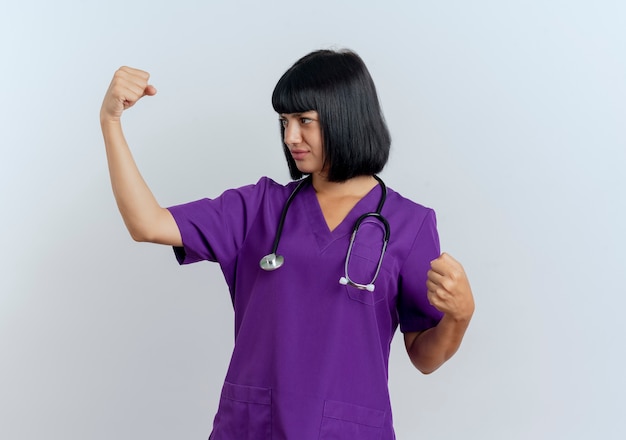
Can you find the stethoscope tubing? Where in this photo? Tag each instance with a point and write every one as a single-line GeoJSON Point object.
{"type": "Point", "coordinates": [273, 261]}
{"type": "Point", "coordinates": [345, 280]}
{"type": "Point", "coordinates": [283, 214]}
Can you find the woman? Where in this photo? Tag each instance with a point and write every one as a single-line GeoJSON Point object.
{"type": "Point", "coordinates": [314, 318]}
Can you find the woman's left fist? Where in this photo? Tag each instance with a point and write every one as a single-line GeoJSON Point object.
{"type": "Point", "coordinates": [449, 290]}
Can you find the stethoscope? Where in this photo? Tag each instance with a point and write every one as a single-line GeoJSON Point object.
{"type": "Point", "coordinates": [273, 261]}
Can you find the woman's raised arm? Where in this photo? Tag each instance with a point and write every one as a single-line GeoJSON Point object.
{"type": "Point", "coordinates": [145, 219]}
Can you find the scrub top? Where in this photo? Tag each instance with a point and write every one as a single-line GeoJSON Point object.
{"type": "Point", "coordinates": [310, 359]}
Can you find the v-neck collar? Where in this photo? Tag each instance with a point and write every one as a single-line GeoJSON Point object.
{"type": "Point", "coordinates": [323, 235]}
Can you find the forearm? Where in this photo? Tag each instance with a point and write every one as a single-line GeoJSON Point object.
{"type": "Point", "coordinates": [135, 201]}
{"type": "Point", "coordinates": [430, 349]}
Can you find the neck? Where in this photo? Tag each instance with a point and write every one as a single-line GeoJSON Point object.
{"type": "Point", "coordinates": [357, 186]}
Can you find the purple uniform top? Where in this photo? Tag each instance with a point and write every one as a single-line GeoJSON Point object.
{"type": "Point", "coordinates": [310, 359]}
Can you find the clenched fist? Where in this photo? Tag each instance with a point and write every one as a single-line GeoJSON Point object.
{"type": "Point", "coordinates": [448, 288]}
{"type": "Point", "coordinates": [127, 87]}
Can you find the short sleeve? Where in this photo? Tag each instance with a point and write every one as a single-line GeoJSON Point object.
{"type": "Point", "coordinates": [414, 311]}
{"type": "Point", "coordinates": [214, 229]}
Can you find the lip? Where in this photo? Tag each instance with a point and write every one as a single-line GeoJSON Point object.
{"type": "Point", "coordinates": [299, 154]}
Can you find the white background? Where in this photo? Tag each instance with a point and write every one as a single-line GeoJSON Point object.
{"type": "Point", "coordinates": [507, 117]}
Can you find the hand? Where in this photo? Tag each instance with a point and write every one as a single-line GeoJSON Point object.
{"type": "Point", "coordinates": [448, 288]}
{"type": "Point", "coordinates": [127, 87]}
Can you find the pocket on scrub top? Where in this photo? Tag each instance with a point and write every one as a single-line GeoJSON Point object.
{"type": "Point", "coordinates": [244, 413]}
{"type": "Point", "coordinates": [361, 269]}
{"type": "Point", "coordinates": [346, 421]}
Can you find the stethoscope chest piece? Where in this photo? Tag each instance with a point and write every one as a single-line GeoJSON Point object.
{"type": "Point", "coordinates": [271, 262]}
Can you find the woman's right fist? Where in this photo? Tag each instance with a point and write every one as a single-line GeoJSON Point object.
{"type": "Point", "coordinates": [127, 87]}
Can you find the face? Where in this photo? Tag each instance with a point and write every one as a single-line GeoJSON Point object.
{"type": "Point", "coordinates": [303, 137]}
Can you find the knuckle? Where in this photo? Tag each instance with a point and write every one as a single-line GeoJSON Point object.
{"type": "Point", "coordinates": [448, 284]}
{"type": "Point", "coordinates": [456, 273]}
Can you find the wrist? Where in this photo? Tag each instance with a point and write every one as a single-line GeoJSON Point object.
{"type": "Point", "coordinates": [457, 320]}
{"type": "Point", "coordinates": [109, 122]}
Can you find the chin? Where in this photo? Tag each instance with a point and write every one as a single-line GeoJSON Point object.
{"type": "Point", "coordinates": [306, 170]}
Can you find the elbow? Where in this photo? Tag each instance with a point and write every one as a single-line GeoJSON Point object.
{"type": "Point", "coordinates": [427, 368]}
{"type": "Point", "coordinates": [158, 229]}
{"type": "Point", "coordinates": [138, 233]}
{"type": "Point", "coordinates": [137, 236]}
{"type": "Point", "coordinates": [428, 364]}
{"type": "Point", "coordinates": [146, 234]}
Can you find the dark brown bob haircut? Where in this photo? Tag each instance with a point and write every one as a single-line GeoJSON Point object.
{"type": "Point", "coordinates": [338, 86]}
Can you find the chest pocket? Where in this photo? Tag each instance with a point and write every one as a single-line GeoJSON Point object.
{"type": "Point", "coordinates": [363, 263]}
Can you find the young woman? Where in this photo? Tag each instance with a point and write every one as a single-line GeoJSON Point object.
{"type": "Point", "coordinates": [316, 304]}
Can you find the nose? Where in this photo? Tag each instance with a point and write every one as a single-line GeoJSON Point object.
{"type": "Point", "coordinates": [292, 134]}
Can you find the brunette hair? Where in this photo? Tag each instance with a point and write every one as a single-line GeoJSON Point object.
{"type": "Point", "coordinates": [338, 86]}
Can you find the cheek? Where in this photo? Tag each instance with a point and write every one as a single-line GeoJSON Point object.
{"type": "Point", "coordinates": [318, 142]}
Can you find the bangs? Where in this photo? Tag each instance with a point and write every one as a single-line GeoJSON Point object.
{"type": "Point", "coordinates": [293, 94]}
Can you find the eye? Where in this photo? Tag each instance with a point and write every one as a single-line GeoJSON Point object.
{"type": "Point", "coordinates": [282, 122]}
{"type": "Point", "coordinates": [306, 120]}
